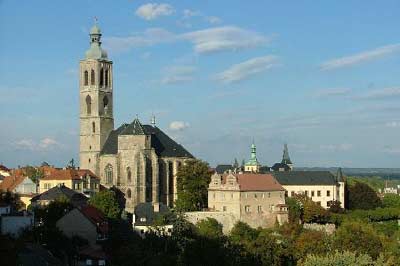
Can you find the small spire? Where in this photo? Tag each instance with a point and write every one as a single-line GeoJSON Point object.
{"type": "Point", "coordinates": [153, 120]}
{"type": "Point", "coordinates": [96, 20]}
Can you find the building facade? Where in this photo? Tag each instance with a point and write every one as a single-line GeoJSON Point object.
{"type": "Point", "coordinates": [256, 199]}
{"type": "Point", "coordinates": [140, 160]}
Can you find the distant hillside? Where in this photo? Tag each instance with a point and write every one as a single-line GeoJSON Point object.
{"type": "Point", "coordinates": [386, 173]}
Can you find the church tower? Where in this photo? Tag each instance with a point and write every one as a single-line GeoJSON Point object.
{"type": "Point", "coordinates": [96, 102]}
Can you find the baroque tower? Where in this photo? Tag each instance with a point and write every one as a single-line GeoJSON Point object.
{"type": "Point", "coordinates": [96, 102]}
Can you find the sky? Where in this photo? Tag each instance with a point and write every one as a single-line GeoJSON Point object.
{"type": "Point", "coordinates": [321, 76]}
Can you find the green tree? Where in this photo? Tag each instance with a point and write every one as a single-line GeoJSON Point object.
{"type": "Point", "coordinates": [358, 237]}
{"type": "Point", "coordinates": [391, 201]}
{"type": "Point", "coordinates": [344, 259]}
{"type": "Point", "coordinates": [209, 228]}
{"type": "Point", "coordinates": [335, 207]}
{"type": "Point", "coordinates": [295, 210]}
{"type": "Point", "coordinates": [48, 215]}
{"type": "Point", "coordinates": [106, 202]}
{"type": "Point", "coordinates": [311, 242]}
{"type": "Point", "coordinates": [312, 212]}
{"type": "Point", "coordinates": [193, 179]}
{"type": "Point", "coordinates": [34, 173]}
{"type": "Point", "coordinates": [362, 196]}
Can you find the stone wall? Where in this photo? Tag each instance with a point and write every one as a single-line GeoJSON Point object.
{"type": "Point", "coordinates": [228, 220]}
{"type": "Point", "coordinates": [327, 228]}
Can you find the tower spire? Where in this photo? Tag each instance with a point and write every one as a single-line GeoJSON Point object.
{"type": "Point", "coordinates": [285, 157]}
{"type": "Point", "coordinates": [95, 51]}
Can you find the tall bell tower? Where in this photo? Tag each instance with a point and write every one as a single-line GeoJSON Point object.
{"type": "Point", "coordinates": [96, 102]}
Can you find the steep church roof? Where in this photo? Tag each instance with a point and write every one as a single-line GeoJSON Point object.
{"type": "Point", "coordinates": [285, 157]}
{"type": "Point", "coordinates": [164, 146]}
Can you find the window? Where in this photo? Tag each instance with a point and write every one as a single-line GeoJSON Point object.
{"type": "Point", "coordinates": [269, 194]}
{"type": "Point", "coordinates": [105, 104]}
{"type": "Point", "coordinates": [223, 195]}
{"type": "Point", "coordinates": [255, 195]}
{"type": "Point", "coordinates": [292, 194]}
{"type": "Point", "coordinates": [106, 78]}
{"type": "Point", "coordinates": [86, 78]}
{"type": "Point", "coordinates": [92, 77]}
{"type": "Point", "coordinates": [93, 127]}
{"type": "Point", "coordinates": [319, 203]}
{"type": "Point", "coordinates": [247, 208]}
{"type": "Point", "coordinates": [328, 193]}
{"type": "Point", "coordinates": [224, 208]}
{"type": "Point", "coordinates": [259, 208]}
{"type": "Point", "coordinates": [101, 81]}
{"type": "Point", "coordinates": [231, 195]}
{"type": "Point", "coordinates": [128, 174]}
{"type": "Point", "coordinates": [88, 105]}
{"type": "Point", "coordinates": [109, 174]}
{"type": "Point", "coordinates": [312, 193]}
{"type": "Point", "coordinates": [214, 195]}
{"type": "Point", "coordinates": [129, 193]}
{"type": "Point", "coordinates": [318, 193]}
{"type": "Point", "coordinates": [89, 160]}
{"type": "Point", "coordinates": [306, 192]}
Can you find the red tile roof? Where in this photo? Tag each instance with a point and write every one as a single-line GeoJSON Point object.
{"type": "Point", "coordinates": [96, 217]}
{"type": "Point", "coordinates": [11, 182]}
{"type": "Point", "coordinates": [67, 174]}
{"type": "Point", "coordinates": [256, 182]}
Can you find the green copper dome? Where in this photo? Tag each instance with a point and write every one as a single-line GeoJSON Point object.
{"type": "Point", "coordinates": [95, 51]}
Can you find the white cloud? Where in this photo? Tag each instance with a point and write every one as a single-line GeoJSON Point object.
{"type": "Point", "coordinates": [223, 38]}
{"type": "Point", "coordinates": [178, 125]}
{"type": "Point", "coordinates": [360, 57]}
{"type": "Point", "coordinates": [187, 13]}
{"type": "Point", "coordinates": [386, 93]}
{"type": "Point", "coordinates": [178, 74]}
{"type": "Point", "coordinates": [152, 11]}
{"type": "Point", "coordinates": [248, 68]}
{"type": "Point", "coordinates": [209, 40]}
{"type": "Point", "coordinates": [44, 144]}
{"type": "Point", "coordinates": [334, 92]}
{"type": "Point", "coordinates": [213, 20]}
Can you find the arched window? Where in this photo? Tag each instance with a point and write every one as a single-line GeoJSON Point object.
{"type": "Point", "coordinates": [101, 82]}
{"type": "Point", "coordinates": [86, 78]}
{"type": "Point", "coordinates": [129, 174]}
{"type": "Point", "coordinates": [92, 77]}
{"type": "Point", "coordinates": [129, 193]}
{"type": "Point", "coordinates": [105, 104]}
{"type": "Point", "coordinates": [93, 127]}
{"type": "Point", "coordinates": [88, 105]}
{"type": "Point", "coordinates": [108, 172]}
{"type": "Point", "coordinates": [106, 77]}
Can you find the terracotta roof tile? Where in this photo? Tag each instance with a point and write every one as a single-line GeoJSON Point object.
{"type": "Point", "coordinates": [11, 182]}
{"type": "Point", "coordinates": [256, 182]}
{"type": "Point", "coordinates": [96, 217]}
{"type": "Point", "coordinates": [67, 174]}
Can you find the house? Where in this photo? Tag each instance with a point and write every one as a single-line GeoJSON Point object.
{"type": "Point", "coordinates": [256, 199]}
{"type": "Point", "coordinates": [22, 185]}
{"type": "Point", "coordinates": [60, 191]}
{"type": "Point", "coordinates": [145, 216]}
{"type": "Point", "coordinates": [4, 171]}
{"type": "Point", "coordinates": [321, 186]}
{"type": "Point", "coordinates": [86, 222]}
{"type": "Point", "coordinates": [80, 180]}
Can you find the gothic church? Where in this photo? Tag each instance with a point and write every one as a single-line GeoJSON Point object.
{"type": "Point", "coordinates": [140, 160]}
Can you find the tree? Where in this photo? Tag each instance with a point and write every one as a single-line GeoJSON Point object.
{"type": "Point", "coordinates": [311, 242]}
{"type": "Point", "coordinates": [193, 179]}
{"type": "Point", "coordinates": [391, 201]}
{"type": "Point", "coordinates": [35, 174]}
{"type": "Point", "coordinates": [312, 212]}
{"type": "Point", "coordinates": [358, 237]}
{"type": "Point", "coordinates": [335, 207]}
{"type": "Point", "coordinates": [10, 198]}
{"type": "Point", "coordinates": [346, 258]}
{"type": "Point", "coordinates": [209, 228]}
{"type": "Point", "coordinates": [362, 196]}
{"type": "Point", "coordinates": [106, 202]}
{"type": "Point", "coordinates": [295, 210]}
{"type": "Point", "coordinates": [48, 215]}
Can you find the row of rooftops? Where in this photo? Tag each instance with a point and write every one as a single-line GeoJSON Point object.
{"type": "Point", "coordinates": [276, 180]}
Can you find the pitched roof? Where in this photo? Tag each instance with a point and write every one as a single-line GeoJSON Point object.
{"type": "Point", "coordinates": [222, 168]}
{"type": "Point", "coordinates": [134, 128]}
{"type": "Point", "coordinates": [96, 217]}
{"type": "Point", "coordinates": [255, 182]}
{"type": "Point", "coordinates": [146, 210]}
{"type": "Point", "coordinates": [276, 167]}
{"type": "Point", "coordinates": [68, 174]}
{"type": "Point", "coordinates": [3, 168]}
{"type": "Point", "coordinates": [305, 178]}
{"type": "Point", "coordinates": [164, 146]}
{"type": "Point", "coordinates": [76, 199]}
{"type": "Point", "coordinates": [11, 182]}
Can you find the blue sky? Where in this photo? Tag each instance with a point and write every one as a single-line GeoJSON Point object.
{"type": "Point", "coordinates": [323, 77]}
